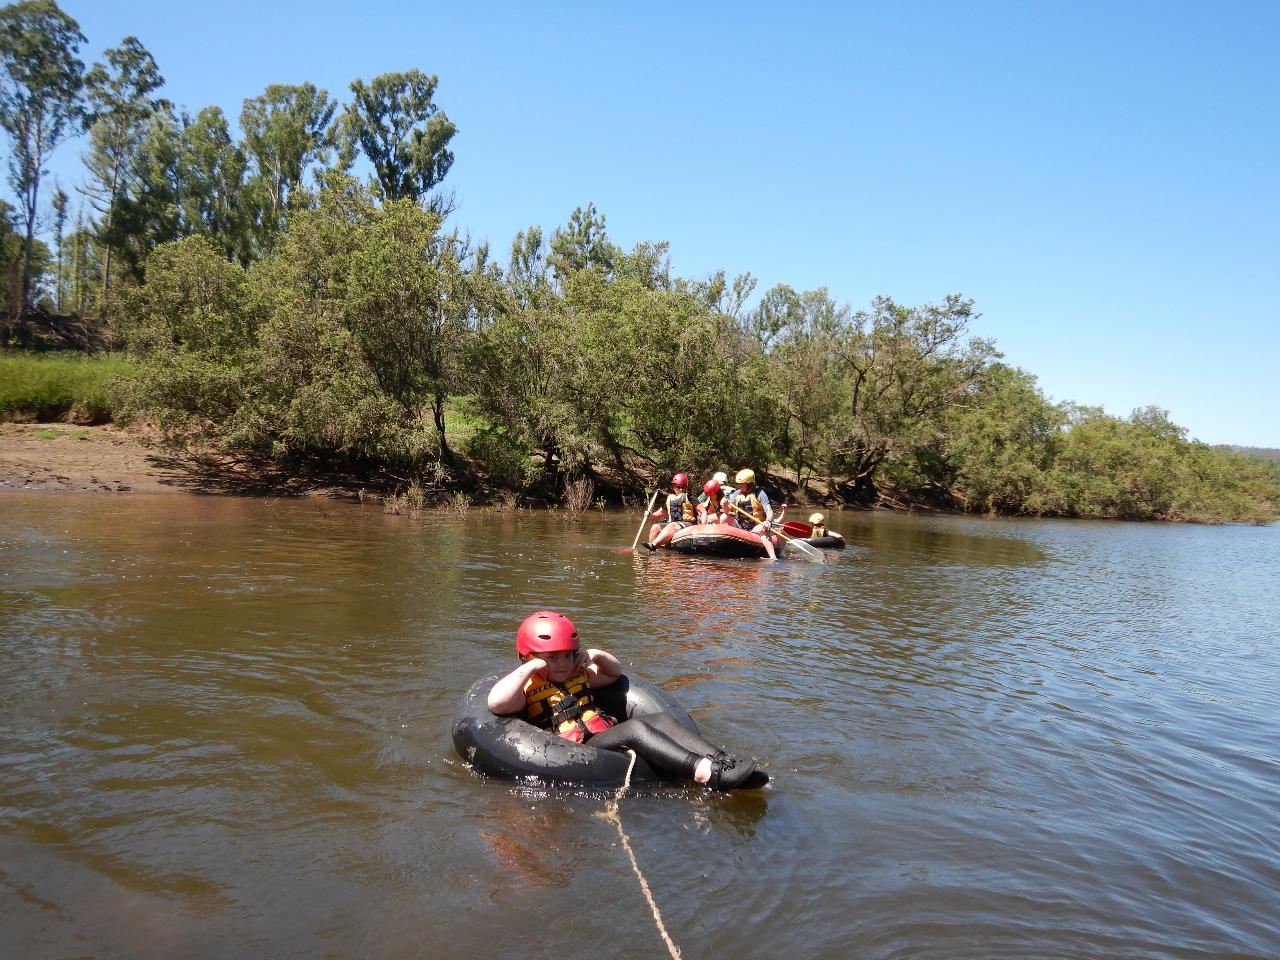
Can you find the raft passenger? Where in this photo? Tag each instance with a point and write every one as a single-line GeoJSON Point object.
{"type": "Point", "coordinates": [552, 689]}
{"type": "Point", "coordinates": [711, 504]}
{"type": "Point", "coordinates": [751, 510]}
{"type": "Point", "coordinates": [678, 512]}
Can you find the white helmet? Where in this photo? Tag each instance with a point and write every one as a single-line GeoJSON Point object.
{"type": "Point", "coordinates": [720, 477]}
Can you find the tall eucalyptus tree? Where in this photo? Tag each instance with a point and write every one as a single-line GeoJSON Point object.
{"type": "Point", "coordinates": [213, 171]}
{"type": "Point", "coordinates": [285, 130]}
{"type": "Point", "coordinates": [402, 131]}
{"type": "Point", "coordinates": [121, 106]}
{"type": "Point", "coordinates": [41, 80]}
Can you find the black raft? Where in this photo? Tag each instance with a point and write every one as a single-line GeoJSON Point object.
{"type": "Point", "coordinates": [511, 748]}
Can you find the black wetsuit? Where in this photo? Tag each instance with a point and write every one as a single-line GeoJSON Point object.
{"type": "Point", "coordinates": [660, 740]}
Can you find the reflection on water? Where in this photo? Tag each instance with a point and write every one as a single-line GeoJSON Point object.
{"type": "Point", "coordinates": [224, 732]}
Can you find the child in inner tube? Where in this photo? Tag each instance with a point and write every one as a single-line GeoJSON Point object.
{"type": "Point", "coordinates": [818, 527]}
{"type": "Point", "coordinates": [552, 689]}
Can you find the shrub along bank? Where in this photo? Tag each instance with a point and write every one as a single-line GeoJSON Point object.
{"type": "Point", "coordinates": [373, 339]}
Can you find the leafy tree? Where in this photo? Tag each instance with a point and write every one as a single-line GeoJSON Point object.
{"type": "Point", "coordinates": [582, 244]}
{"type": "Point", "coordinates": [150, 213]}
{"type": "Point", "coordinates": [1144, 468]}
{"type": "Point", "coordinates": [286, 129]}
{"type": "Point", "coordinates": [1000, 443]}
{"type": "Point", "coordinates": [409, 304]}
{"type": "Point", "coordinates": [600, 355]}
{"type": "Point", "coordinates": [402, 131]}
{"type": "Point", "coordinates": [717, 295]}
{"type": "Point", "coordinates": [522, 362]}
{"type": "Point", "coordinates": [346, 341]}
{"type": "Point", "coordinates": [779, 308]}
{"type": "Point", "coordinates": [192, 326]}
{"type": "Point", "coordinates": [648, 264]}
{"type": "Point", "coordinates": [194, 300]}
{"type": "Point", "coordinates": [40, 103]}
{"type": "Point", "coordinates": [901, 368]}
{"type": "Point", "coordinates": [212, 171]}
{"type": "Point", "coordinates": [122, 107]}
{"type": "Point", "coordinates": [651, 383]}
{"type": "Point", "coordinates": [11, 259]}
{"type": "Point", "coordinates": [12, 262]}
{"type": "Point", "coordinates": [804, 374]}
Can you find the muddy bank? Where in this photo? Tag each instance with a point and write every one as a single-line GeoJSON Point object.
{"type": "Point", "coordinates": [67, 458]}
{"type": "Point", "coordinates": [75, 459]}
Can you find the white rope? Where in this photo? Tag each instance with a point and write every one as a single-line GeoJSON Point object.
{"type": "Point", "coordinates": [611, 814]}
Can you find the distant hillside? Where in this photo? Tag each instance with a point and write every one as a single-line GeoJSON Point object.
{"type": "Point", "coordinates": [1262, 453]}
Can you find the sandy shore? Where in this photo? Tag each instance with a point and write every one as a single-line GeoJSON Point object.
{"type": "Point", "coordinates": [75, 459]}
{"type": "Point", "coordinates": [64, 457]}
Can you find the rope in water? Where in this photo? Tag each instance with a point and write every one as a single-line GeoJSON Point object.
{"type": "Point", "coordinates": [611, 814]}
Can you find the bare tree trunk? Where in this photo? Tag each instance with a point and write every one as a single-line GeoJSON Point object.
{"type": "Point", "coordinates": [30, 196]}
{"type": "Point", "coordinates": [28, 243]}
{"type": "Point", "coordinates": [437, 411]}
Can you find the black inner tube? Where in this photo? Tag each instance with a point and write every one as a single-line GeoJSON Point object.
{"type": "Point", "coordinates": [509, 748]}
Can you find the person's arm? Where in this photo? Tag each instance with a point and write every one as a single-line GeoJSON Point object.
{"type": "Point", "coordinates": [768, 508]}
{"type": "Point", "coordinates": [602, 668]}
{"type": "Point", "coordinates": [507, 695]}
{"type": "Point", "coordinates": [704, 510]}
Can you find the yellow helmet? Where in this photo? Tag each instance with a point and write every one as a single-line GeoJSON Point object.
{"type": "Point", "coordinates": [745, 476]}
{"type": "Point", "coordinates": [816, 518]}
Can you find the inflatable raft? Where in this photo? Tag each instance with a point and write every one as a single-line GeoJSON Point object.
{"type": "Point", "coordinates": [801, 531]}
{"type": "Point", "coordinates": [509, 748]}
{"type": "Point", "coordinates": [718, 540]}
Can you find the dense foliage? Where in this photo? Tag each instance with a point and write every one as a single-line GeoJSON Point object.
{"type": "Point", "coordinates": [280, 306]}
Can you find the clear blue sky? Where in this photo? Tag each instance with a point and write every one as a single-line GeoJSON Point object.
{"type": "Point", "coordinates": [1101, 177]}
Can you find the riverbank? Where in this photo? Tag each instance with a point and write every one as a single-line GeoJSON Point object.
{"type": "Point", "coordinates": [68, 458]}
{"type": "Point", "coordinates": [71, 458]}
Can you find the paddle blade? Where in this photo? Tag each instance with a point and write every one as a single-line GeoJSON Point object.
{"type": "Point", "coordinates": [809, 553]}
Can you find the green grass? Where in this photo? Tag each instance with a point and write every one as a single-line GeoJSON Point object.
{"type": "Point", "coordinates": [45, 433]}
{"type": "Point", "coordinates": [47, 387]}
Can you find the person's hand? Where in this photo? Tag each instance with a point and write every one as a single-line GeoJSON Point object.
{"type": "Point", "coordinates": [536, 665]}
{"type": "Point", "coordinates": [582, 660]}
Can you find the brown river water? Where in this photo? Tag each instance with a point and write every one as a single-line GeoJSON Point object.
{"type": "Point", "coordinates": [224, 732]}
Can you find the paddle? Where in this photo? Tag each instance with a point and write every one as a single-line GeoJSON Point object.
{"type": "Point", "coordinates": [647, 510]}
{"type": "Point", "coordinates": [806, 551]}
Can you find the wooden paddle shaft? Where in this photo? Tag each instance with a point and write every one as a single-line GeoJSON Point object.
{"type": "Point", "coordinates": [647, 510]}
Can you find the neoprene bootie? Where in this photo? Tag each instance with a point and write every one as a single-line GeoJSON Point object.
{"type": "Point", "coordinates": [730, 773]}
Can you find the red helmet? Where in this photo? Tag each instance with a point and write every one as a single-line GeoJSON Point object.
{"type": "Point", "coordinates": [680, 480]}
{"type": "Point", "coordinates": [711, 488]}
{"type": "Point", "coordinates": [546, 632]}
